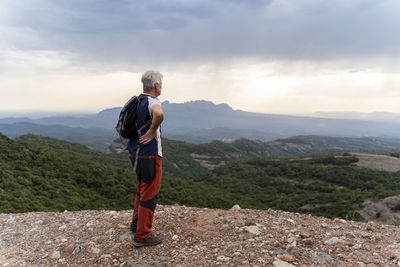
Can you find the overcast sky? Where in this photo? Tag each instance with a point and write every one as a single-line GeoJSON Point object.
{"type": "Point", "coordinates": [276, 56]}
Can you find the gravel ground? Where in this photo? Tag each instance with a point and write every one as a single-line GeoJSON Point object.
{"type": "Point", "coordinates": [195, 237]}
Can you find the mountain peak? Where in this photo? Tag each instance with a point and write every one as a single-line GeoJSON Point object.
{"type": "Point", "coordinates": [200, 104]}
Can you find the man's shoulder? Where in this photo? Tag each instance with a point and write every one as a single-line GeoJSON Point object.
{"type": "Point", "coordinates": [154, 101]}
{"type": "Point", "coordinates": [149, 98]}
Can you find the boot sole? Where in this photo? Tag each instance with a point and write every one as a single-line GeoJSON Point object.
{"type": "Point", "coordinates": [141, 244]}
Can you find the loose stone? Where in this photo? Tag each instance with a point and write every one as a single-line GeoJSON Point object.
{"type": "Point", "coordinates": [350, 235]}
{"type": "Point", "coordinates": [235, 207]}
{"type": "Point", "coordinates": [95, 250]}
{"type": "Point", "coordinates": [280, 263]}
{"type": "Point", "coordinates": [321, 257]}
{"type": "Point", "coordinates": [287, 258]}
{"type": "Point", "coordinates": [223, 258]}
{"type": "Point", "coordinates": [56, 255]}
{"type": "Point", "coordinates": [105, 256]}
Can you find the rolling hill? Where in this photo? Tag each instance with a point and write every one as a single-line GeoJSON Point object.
{"type": "Point", "coordinates": [41, 173]}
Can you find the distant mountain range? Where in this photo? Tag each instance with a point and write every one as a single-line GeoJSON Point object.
{"type": "Point", "coordinates": [372, 116]}
{"type": "Point", "coordinates": [203, 121]}
{"type": "Point", "coordinates": [298, 146]}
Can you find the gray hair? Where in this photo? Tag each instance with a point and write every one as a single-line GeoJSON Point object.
{"type": "Point", "coordinates": [149, 78]}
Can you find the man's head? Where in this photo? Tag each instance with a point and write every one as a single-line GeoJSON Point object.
{"type": "Point", "coordinates": [152, 82]}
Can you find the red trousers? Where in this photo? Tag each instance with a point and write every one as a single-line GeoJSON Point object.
{"type": "Point", "coordinates": [149, 173]}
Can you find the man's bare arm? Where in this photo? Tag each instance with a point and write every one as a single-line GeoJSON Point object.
{"type": "Point", "coordinates": [158, 117]}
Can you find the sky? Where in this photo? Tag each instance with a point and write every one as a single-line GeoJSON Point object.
{"type": "Point", "coordinates": [272, 56]}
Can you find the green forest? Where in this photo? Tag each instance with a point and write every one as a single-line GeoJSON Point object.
{"type": "Point", "coordinates": [44, 174]}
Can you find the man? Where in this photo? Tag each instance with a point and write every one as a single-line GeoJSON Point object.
{"type": "Point", "coordinates": [147, 149]}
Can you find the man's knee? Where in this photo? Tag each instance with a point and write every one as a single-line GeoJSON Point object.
{"type": "Point", "coordinates": [150, 204]}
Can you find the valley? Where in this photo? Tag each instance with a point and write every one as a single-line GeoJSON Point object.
{"type": "Point", "coordinates": [319, 177]}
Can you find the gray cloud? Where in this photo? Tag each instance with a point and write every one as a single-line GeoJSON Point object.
{"type": "Point", "coordinates": [150, 32]}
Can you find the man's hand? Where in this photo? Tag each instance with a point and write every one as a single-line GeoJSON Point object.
{"type": "Point", "coordinates": [148, 136]}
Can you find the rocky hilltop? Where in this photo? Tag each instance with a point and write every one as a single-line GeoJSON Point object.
{"type": "Point", "coordinates": [195, 237]}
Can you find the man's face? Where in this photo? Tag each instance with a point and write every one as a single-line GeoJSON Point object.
{"type": "Point", "coordinates": [158, 87]}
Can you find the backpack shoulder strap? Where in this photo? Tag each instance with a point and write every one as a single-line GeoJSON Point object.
{"type": "Point", "coordinates": [139, 131]}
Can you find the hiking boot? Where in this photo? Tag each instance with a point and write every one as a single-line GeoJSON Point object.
{"type": "Point", "coordinates": [151, 240]}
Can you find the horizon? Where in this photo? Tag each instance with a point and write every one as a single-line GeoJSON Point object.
{"type": "Point", "coordinates": [35, 114]}
{"type": "Point", "coordinates": [267, 56]}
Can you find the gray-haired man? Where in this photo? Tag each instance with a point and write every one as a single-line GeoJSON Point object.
{"type": "Point", "coordinates": [149, 155]}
